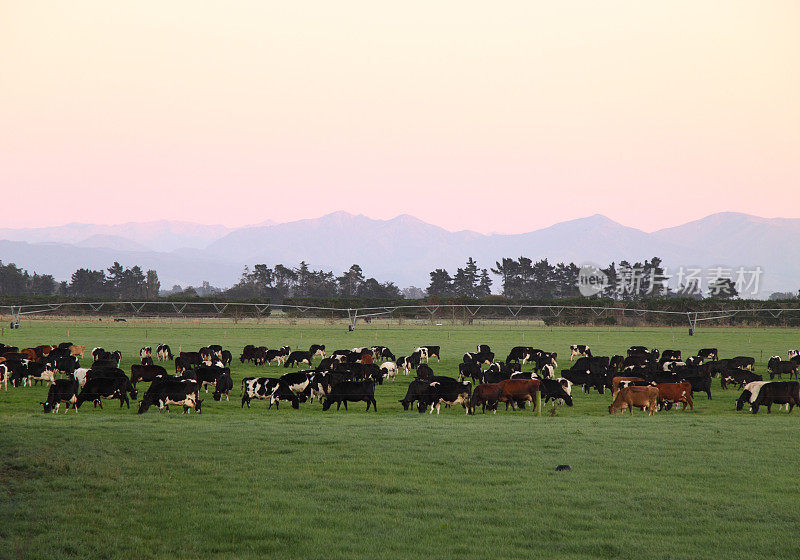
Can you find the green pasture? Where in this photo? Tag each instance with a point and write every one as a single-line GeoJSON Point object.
{"type": "Point", "coordinates": [258, 483]}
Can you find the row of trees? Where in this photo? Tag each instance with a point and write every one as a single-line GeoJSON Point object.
{"type": "Point", "coordinates": [117, 282]}
{"type": "Point", "coordinates": [281, 282]}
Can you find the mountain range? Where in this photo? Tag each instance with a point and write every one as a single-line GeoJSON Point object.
{"type": "Point", "coordinates": [403, 249]}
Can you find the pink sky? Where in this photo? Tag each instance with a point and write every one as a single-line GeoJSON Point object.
{"type": "Point", "coordinates": [500, 116]}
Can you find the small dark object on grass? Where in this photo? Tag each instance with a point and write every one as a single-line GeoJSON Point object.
{"type": "Point", "coordinates": [563, 468]}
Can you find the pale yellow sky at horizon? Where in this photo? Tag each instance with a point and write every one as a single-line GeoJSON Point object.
{"type": "Point", "coordinates": [504, 117]}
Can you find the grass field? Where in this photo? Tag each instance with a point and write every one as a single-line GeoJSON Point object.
{"type": "Point", "coordinates": [306, 484]}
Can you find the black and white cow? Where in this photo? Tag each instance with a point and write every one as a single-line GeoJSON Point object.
{"type": "Point", "coordinates": [146, 352]}
{"type": "Point", "coordinates": [65, 390]}
{"type": "Point", "coordinates": [431, 352]}
{"type": "Point", "coordinates": [163, 352]}
{"type": "Point", "coordinates": [478, 358]}
{"type": "Point", "coordinates": [208, 375]}
{"type": "Point", "coordinates": [579, 350]}
{"type": "Point", "coordinates": [708, 353]}
{"type": "Point", "coordinates": [317, 350]}
{"type": "Point", "coordinates": [383, 352]}
{"type": "Point", "coordinates": [297, 381]}
{"type": "Point", "coordinates": [165, 392]}
{"type": "Point", "coordinates": [445, 391]}
{"type": "Point", "coordinates": [793, 353]}
{"type": "Point", "coordinates": [522, 354]}
{"type": "Point", "coordinates": [773, 392]}
{"type": "Point", "coordinates": [557, 390]}
{"type": "Point", "coordinates": [223, 386]}
{"type": "Point", "coordinates": [267, 388]}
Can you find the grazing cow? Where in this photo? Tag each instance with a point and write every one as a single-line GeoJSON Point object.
{"type": "Point", "coordinates": [208, 375]}
{"type": "Point", "coordinates": [77, 350]}
{"type": "Point", "coordinates": [383, 352]}
{"type": "Point", "coordinates": [424, 371]}
{"type": "Point", "coordinates": [163, 352]}
{"type": "Point", "coordinates": [65, 390]}
{"type": "Point", "coordinates": [415, 390]}
{"type": "Point", "coordinates": [739, 377]}
{"type": "Point", "coordinates": [146, 352]}
{"type": "Point", "coordinates": [793, 353]}
{"type": "Point", "coordinates": [317, 350]}
{"type": "Point", "coordinates": [487, 395]}
{"type": "Point", "coordinates": [556, 390]}
{"type": "Point", "coordinates": [36, 372]}
{"type": "Point", "coordinates": [618, 383]}
{"type": "Point", "coordinates": [670, 355]}
{"type": "Point", "coordinates": [637, 350]}
{"type": "Point", "coordinates": [223, 385]}
{"type": "Point", "coordinates": [673, 393]}
{"type": "Point", "coordinates": [750, 393]}
{"type": "Point", "coordinates": [579, 350]}
{"type": "Point", "coordinates": [189, 359]}
{"type": "Point", "coordinates": [615, 364]}
{"type": "Point", "coordinates": [64, 364]}
{"type": "Point", "coordinates": [166, 391]}
{"type": "Point", "coordinates": [513, 391]}
{"type": "Point", "coordinates": [742, 362]}
{"type": "Point", "coordinates": [111, 372]}
{"type": "Point", "coordinates": [98, 388]}
{"type": "Point", "coordinates": [145, 373]}
{"type": "Point", "coordinates": [700, 382]}
{"type": "Point", "coordinates": [522, 354]}
{"type": "Point", "coordinates": [298, 357]}
{"type": "Point", "coordinates": [353, 391]}
{"type": "Point", "coordinates": [446, 391]}
{"type": "Point", "coordinates": [774, 392]}
{"type": "Point", "coordinates": [297, 381]}
{"type": "Point", "coordinates": [469, 370]}
{"type": "Point", "coordinates": [708, 353]}
{"type": "Point", "coordinates": [4, 376]}
{"type": "Point", "coordinates": [265, 388]}
{"type": "Point", "coordinates": [639, 397]}
{"type": "Point", "coordinates": [423, 353]}
{"type": "Point", "coordinates": [389, 369]}
{"type": "Point", "coordinates": [778, 367]}
{"type": "Point", "coordinates": [407, 363]}
{"type": "Point", "coordinates": [280, 355]}
{"type": "Point", "coordinates": [545, 359]}
{"type": "Point", "coordinates": [431, 352]}
{"type": "Point", "coordinates": [478, 357]}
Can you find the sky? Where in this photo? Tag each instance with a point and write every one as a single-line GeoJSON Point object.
{"type": "Point", "coordinates": [491, 116]}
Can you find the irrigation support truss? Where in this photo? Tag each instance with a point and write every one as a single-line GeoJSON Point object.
{"type": "Point", "coordinates": [353, 314]}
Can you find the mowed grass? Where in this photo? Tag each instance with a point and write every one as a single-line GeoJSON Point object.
{"type": "Point", "coordinates": [261, 483]}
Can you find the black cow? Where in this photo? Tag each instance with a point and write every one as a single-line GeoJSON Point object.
{"type": "Point", "coordinates": [708, 353]}
{"type": "Point", "coordinates": [208, 375]}
{"type": "Point", "coordinates": [226, 357]}
{"type": "Point", "coordinates": [742, 362]}
{"type": "Point", "coordinates": [415, 390]}
{"type": "Point", "coordinates": [353, 391]}
{"type": "Point", "coordinates": [470, 370]}
{"type": "Point", "coordinates": [735, 376]}
{"type": "Point", "coordinates": [478, 358]}
{"type": "Point", "coordinates": [145, 373]}
{"type": "Point", "coordinates": [298, 357]}
{"type": "Point", "coordinates": [98, 388]}
{"type": "Point", "coordinates": [424, 371]}
{"type": "Point", "coordinates": [112, 372]}
{"type": "Point", "coordinates": [61, 390]}
{"type": "Point", "coordinates": [670, 355]}
{"type": "Point", "coordinates": [778, 367]}
{"type": "Point", "coordinates": [223, 386]}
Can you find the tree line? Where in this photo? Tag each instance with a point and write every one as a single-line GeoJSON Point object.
{"type": "Point", "coordinates": [116, 282]}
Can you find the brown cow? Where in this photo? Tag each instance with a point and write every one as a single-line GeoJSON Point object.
{"type": "Point", "coordinates": [44, 349]}
{"type": "Point", "coordinates": [639, 397]}
{"type": "Point", "coordinates": [77, 350]}
{"type": "Point", "coordinates": [486, 395]}
{"type": "Point", "coordinates": [30, 354]}
{"type": "Point", "coordinates": [675, 393]}
{"type": "Point", "coordinates": [617, 381]}
{"type": "Point", "coordinates": [514, 390]}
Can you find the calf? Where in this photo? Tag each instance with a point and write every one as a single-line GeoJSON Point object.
{"type": "Point", "coordinates": [639, 397]}
{"type": "Point", "coordinates": [65, 390]}
{"type": "Point", "coordinates": [353, 391]}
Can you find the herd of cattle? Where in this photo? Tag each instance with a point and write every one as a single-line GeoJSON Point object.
{"type": "Point", "coordinates": [644, 378]}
